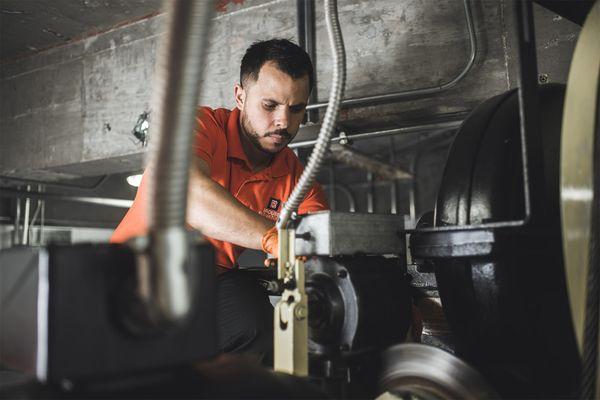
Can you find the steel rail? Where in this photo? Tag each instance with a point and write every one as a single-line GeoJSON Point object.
{"type": "Point", "coordinates": [101, 201]}
{"type": "Point", "coordinates": [386, 132]}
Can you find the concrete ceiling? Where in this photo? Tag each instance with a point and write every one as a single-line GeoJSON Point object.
{"type": "Point", "coordinates": [29, 26]}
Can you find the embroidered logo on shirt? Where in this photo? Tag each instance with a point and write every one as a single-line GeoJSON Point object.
{"type": "Point", "coordinates": [271, 210]}
{"type": "Point", "coordinates": [274, 204]}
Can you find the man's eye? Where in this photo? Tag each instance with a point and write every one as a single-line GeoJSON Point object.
{"type": "Point", "coordinates": [269, 106]}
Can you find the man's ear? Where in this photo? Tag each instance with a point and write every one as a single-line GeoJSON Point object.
{"type": "Point", "coordinates": [240, 96]}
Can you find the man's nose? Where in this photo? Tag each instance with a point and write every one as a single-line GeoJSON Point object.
{"type": "Point", "coordinates": [282, 118]}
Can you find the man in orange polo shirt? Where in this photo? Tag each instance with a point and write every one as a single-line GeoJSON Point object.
{"type": "Point", "coordinates": [243, 173]}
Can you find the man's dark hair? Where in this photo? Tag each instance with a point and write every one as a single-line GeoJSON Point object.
{"type": "Point", "coordinates": [289, 58]}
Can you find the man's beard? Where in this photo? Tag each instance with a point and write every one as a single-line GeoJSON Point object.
{"type": "Point", "coordinates": [255, 137]}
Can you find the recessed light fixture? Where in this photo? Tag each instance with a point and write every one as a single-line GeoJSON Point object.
{"type": "Point", "coordinates": [140, 130]}
{"type": "Point", "coordinates": [134, 180]}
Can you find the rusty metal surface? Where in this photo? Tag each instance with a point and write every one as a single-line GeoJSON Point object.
{"type": "Point", "coordinates": [350, 156]}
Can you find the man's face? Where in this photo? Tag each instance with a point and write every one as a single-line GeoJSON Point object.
{"type": "Point", "coordinates": [272, 107]}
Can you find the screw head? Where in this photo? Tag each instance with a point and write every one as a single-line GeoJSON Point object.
{"type": "Point", "coordinates": [342, 273]}
{"type": "Point", "coordinates": [300, 313]}
{"type": "Point", "coordinates": [66, 385]}
{"type": "Point", "coordinates": [543, 78]}
{"type": "Point", "coordinates": [343, 138]}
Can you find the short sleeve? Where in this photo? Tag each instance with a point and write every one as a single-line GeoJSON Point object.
{"type": "Point", "coordinates": [207, 129]}
{"type": "Point", "coordinates": [315, 200]}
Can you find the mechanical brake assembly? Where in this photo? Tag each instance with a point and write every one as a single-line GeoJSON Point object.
{"type": "Point", "coordinates": [291, 313]}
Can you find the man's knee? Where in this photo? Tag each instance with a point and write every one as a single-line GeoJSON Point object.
{"type": "Point", "coordinates": [244, 315]}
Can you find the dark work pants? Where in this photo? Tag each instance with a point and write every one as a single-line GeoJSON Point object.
{"type": "Point", "coordinates": [244, 316]}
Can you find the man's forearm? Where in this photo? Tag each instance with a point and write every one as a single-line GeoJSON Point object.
{"type": "Point", "coordinates": [217, 214]}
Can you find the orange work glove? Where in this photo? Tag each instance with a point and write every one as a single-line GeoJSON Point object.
{"type": "Point", "coordinates": [270, 244]}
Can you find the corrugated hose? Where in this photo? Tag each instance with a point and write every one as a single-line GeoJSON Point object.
{"type": "Point", "coordinates": [336, 93]}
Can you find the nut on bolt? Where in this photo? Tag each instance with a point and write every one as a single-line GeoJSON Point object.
{"type": "Point", "coordinates": [300, 312]}
{"type": "Point", "coordinates": [343, 138]}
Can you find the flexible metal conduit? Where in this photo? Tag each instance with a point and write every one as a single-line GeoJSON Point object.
{"type": "Point", "coordinates": [180, 65]}
{"type": "Point", "coordinates": [317, 156]}
{"type": "Point", "coordinates": [409, 94]}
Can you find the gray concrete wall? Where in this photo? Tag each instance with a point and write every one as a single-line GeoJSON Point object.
{"type": "Point", "coordinates": [69, 111]}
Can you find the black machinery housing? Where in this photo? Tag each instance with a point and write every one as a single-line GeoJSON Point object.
{"type": "Point", "coordinates": [503, 288]}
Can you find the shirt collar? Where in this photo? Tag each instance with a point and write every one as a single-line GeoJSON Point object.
{"type": "Point", "coordinates": [279, 165]}
{"type": "Point", "coordinates": [234, 145]}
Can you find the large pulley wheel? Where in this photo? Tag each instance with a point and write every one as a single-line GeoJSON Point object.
{"type": "Point", "coordinates": [417, 371]}
{"type": "Point", "coordinates": [580, 192]}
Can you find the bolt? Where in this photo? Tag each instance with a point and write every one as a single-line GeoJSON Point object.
{"type": "Point", "coordinates": [301, 312]}
{"type": "Point", "coordinates": [343, 138]}
{"type": "Point", "coordinates": [66, 385]}
{"type": "Point", "coordinates": [342, 273]}
{"type": "Point", "coordinates": [543, 78]}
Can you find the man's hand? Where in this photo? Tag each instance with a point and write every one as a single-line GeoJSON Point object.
{"type": "Point", "coordinates": [270, 242]}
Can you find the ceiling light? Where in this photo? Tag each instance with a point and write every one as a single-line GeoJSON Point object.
{"type": "Point", "coordinates": [134, 180]}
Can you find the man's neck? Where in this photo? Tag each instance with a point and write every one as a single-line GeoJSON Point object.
{"type": "Point", "coordinates": [258, 159]}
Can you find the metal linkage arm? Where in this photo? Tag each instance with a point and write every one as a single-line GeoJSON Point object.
{"type": "Point", "coordinates": [291, 313]}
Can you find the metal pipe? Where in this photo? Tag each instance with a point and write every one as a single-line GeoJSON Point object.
{"type": "Point", "coordinates": [349, 195]}
{"type": "Point", "coordinates": [370, 194]}
{"type": "Point", "coordinates": [412, 206]}
{"type": "Point", "coordinates": [306, 39]}
{"type": "Point", "coordinates": [33, 219]}
{"type": "Point", "coordinates": [393, 197]}
{"type": "Point", "coordinates": [180, 66]}
{"type": "Point", "coordinates": [17, 219]}
{"type": "Point", "coordinates": [365, 185]}
{"type": "Point", "coordinates": [101, 201]}
{"type": "Point", "coordinates": [42, 220]}
{"type": "Point", "coordinates": [346, 191]}
{"type": "Point", "coordinates": [447, 125]}
{"type": "Point", "coordinates": [350, 156]}
{"type": "Point", "coordinates": [411, 94]}
{"type": "Point", "coordinates": [337, 90]}
{"type": "Point", "coordinates": [393, 185]}
{"type": "Point", "coordinates": [25, 238]}
{"type": "Point", "coordinates": [412, 202]}
{"type": "Point", "coordinates": [529, 117]}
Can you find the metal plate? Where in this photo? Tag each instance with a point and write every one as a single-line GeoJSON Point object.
{"type": "Point", "coordinates": [577, 164]}
{"type": "Point", "coordinates": [430, 373]}
{"type": "Point", "coordinates": [580, 152]}
{"type": "Point", "coordinates": [339, 233]}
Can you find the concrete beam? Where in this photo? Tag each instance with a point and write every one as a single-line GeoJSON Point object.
{"type": "Point", "coordinates": [70, 111]}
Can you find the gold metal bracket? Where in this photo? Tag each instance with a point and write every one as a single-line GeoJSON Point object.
{"type": "Point", "coordinates": [291, 313]}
